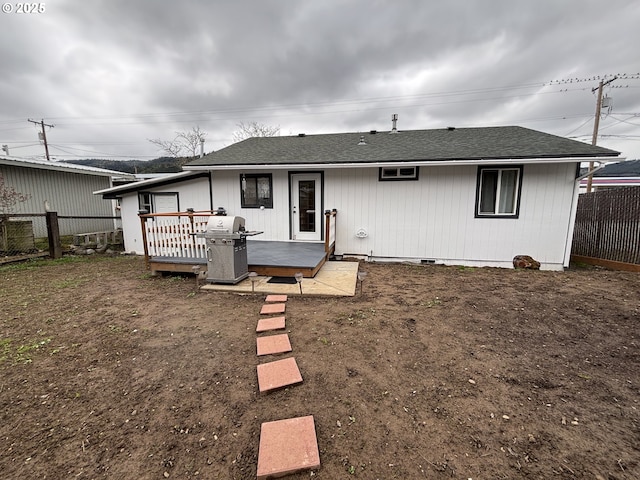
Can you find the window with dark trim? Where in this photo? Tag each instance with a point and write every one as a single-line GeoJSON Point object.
{"type": "Point", "coordinates": [398, 173]}
{"type": "Point", "coordinates": [256, 190]}
{"type": "Point", "coordinates": [498, 192]}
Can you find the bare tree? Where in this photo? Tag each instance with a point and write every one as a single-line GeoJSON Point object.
{"type": "Point", "coordinates": [254, 129]}
{"type": "Point", "coordinates": [9, 198]}
{"type": "Point", "coordinates": [185, 144]}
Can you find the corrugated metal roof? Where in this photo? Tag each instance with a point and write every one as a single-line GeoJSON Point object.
{"type": "Point", "coordinates": [63, 167]}
{"type": "Point", "coordinates": [405, 146]}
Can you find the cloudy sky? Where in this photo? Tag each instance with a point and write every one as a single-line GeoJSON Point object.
{"type": "Point", "coordinates": [111, 74]}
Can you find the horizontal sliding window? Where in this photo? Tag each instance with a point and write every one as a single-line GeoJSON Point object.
{"type": "Point", "coordinates": [398, 173]}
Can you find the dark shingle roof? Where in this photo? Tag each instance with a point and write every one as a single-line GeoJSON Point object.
{"type": "Point", "coordinates": [412, 145]}
{"type": "Point", "coordinates": [630, 168]}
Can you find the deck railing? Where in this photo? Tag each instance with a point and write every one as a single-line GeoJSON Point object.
{"type": "Point", "coordinates": [173, 234]}
{"type": "Point", "coordinates": [330, 231]}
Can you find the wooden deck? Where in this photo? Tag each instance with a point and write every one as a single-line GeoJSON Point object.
{"type": "Point", "coordinates": [171, 245]}
{"type": "Point", "coordinates": [269, 258]}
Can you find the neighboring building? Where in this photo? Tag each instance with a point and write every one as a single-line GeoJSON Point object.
{"type": "Point", "coordinates": [613, 175]}
{"type": "Point", "coordinates": [167, 193]}
{"type": "Point", "coordinates": [468, 196]}
{"type": "Point", "coordinates": [66, 188]}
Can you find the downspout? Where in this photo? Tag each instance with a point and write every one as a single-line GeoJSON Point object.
{"type": "Point", "coordinates": [574, 209]}
{"type": "Point", "coordinates": [211, 190]}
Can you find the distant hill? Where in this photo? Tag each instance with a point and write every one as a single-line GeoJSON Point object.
{"type": "Point", "coordinates": [158, 165]}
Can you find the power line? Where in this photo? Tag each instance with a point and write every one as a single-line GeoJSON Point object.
{"type": "Point", "coordinates": [96, 153]}
{"type": "Point", "coordinates": [137, 118]}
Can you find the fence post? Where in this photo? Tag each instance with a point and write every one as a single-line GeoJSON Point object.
{"type": "Point", "coordinates": [53, 234]}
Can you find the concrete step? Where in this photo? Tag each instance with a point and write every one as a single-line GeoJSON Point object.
{"type": "Point", "coordinates": [276, 298]}
{"type": "Point", "coordinates": [287, 446]}
{"type": "Point", "coordinates": [278, 374]}
{"type": "Point", "coordinates": [272, 308]}
{"type": "Point", "coordinates": [273, 344]}
{"type": "Point", "coordinates": [273, 323]}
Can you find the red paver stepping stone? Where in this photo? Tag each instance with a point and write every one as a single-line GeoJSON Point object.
{"type": "Point", "coordinates": [278, 374]}
{"type": "Point", "coordinates": [273, 323]}
{"type": "Point", "coordinates": [287, 446]}
{"type": "Point", "coordinates": [272, 308]}
{"type": "Point", "coordinates": [276, 298]}
{"type": "Point", "coordinates": [273, 344]}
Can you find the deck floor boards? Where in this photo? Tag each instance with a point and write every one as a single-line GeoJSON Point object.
{"type": "Point", "coordinates": [303, 255]}
{"type": "Point", "coordinates": [284, 254]}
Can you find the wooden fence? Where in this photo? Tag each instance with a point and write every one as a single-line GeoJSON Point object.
{"type": "Point", "coordinates": [607, 229]}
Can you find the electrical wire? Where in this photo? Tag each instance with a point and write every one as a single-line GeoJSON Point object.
{"type": "Point", "coordinates": [137, 118]}
{"type": "Point", "coordinates": [94, 152]}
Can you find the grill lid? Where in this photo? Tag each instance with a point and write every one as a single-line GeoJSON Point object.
{"type": "Point", "coordinates": [219, 225]}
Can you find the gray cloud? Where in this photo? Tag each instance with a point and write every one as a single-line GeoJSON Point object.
{"type": "Point", "coordinates": [111, 74]}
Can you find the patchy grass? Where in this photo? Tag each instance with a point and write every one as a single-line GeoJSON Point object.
{"type": "Point", "coordinates": [430, 303]}
{"type": "Point", "coordinates": [70, 283]}
{"type": "Point", "coordinates": [20, 354]}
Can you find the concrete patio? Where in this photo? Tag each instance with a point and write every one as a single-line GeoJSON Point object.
{"type": "Point", "coordinates": [335, 278]}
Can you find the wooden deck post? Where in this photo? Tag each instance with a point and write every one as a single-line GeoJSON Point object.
{"type": "Point", "coordinates": [192, 230]}
{"type": "Point", "coordinates": [328, 214]}
{"type": "Point", "coordinates": [143, 221]}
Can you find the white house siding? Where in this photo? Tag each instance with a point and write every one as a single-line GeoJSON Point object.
{"type": "Point", "coordinates": [433, 218]}
{"type": "Point", "coordinates": [192, 193]}
{"type": "Point", "coordinates": [428, 219]}
{"type": "Point", "coordinates": [66, 193]}
{"type": "Point", "coordinates": [274, 222]}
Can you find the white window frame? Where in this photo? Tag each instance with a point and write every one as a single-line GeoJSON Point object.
{"type": "Point", "coordinates": [498, 193]}
{"type": "Point", "coordinates": [146, 200]}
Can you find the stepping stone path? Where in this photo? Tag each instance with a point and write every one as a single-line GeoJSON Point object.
{"type": "Point", "coordinates": [287, 446]}
{"type": "Point", "coordinates": [276, 298]}
{"type": "Point", "coordinates": [271, 308]}
{"type": "Point", "coordinates": [273, 323]}
{"type": "Point", "coordinates": [278, 374]}
{"type": "Point", "coordinates": [273, 344]}
{"type": "Point", "coordinates": [290, 445]}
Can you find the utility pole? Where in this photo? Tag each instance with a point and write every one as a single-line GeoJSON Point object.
{"type": "Point", "coordinates": [596, 125]}
{"type": "Point", "coordinates": [44, 134]}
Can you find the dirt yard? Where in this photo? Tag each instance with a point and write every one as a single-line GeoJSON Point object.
{"type": "Point", "coordinates": [432, 372]}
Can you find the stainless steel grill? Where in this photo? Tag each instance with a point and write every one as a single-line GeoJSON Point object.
{"type": "Point", "coordinates": [226, 241]}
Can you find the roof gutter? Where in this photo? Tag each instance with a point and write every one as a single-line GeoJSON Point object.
{"type": "Point", "coordinates": [418, 163]}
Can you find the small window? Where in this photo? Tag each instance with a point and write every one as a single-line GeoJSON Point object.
{"type": "Point", "coordinates": [398, 173]}
{"type": "Point", "coordinates": [158, 202]}
{"type": "Point", "coordinates": [256, 190]}
{"type": "Point", "coordinates": [498, 192]}
{"type": "Point", "coordinates": [144, 202]}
